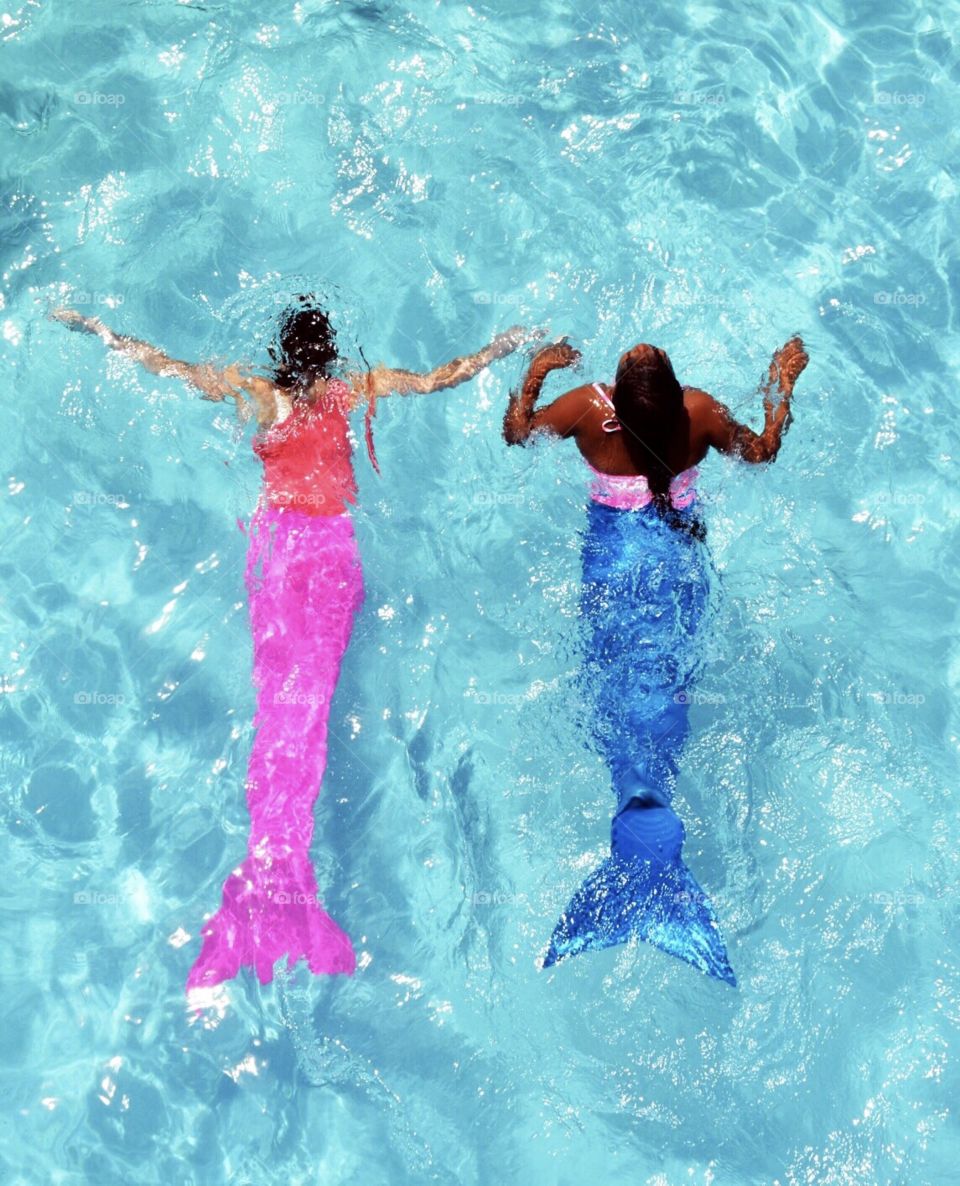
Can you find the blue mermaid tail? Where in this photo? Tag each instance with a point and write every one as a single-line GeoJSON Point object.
{"type": "Point", "coordinates": [645, 590]}
{"type": "Point", "coordinates": [644, 889]}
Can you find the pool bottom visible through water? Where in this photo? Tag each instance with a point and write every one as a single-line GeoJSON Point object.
{"type": "Point", "coordinates": [711, 179]}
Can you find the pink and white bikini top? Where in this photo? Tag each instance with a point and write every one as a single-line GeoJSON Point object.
{"type": "Point", "coordinates": [630, 492]}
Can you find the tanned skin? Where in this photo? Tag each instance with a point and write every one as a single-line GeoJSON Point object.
{"type": "Point", "coordinates": [707, 423]}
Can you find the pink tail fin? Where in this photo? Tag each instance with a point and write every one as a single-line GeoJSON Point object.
{"type": "Point", "coordinates": [270, 909]}
{"type": "Point", "coordinates": [305, 586]}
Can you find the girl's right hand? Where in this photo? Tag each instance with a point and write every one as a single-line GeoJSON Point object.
{"type": "Point", "coordinates": [74, 320]}
{"type": "Point", "coordinates": [556, 356]}
{"type": "Point", "coordinates": [788, 364]}
{"type": "Point", "coordinates": [515, 337]}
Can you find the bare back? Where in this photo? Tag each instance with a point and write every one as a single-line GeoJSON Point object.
{"type": "Point", "coordinates": [581, 412]}
{"type": "Point", "coordinates": [586, 412]}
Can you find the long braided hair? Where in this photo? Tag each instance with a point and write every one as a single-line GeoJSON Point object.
{"type": "Point", "coordinates": [648, 401]}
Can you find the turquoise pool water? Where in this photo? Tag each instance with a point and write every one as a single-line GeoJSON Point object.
{"type": "Point", "coordinates": [711, 178]}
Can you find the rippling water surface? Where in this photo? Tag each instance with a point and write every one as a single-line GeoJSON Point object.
{"type": "Point", "coordinates": [709, 177]}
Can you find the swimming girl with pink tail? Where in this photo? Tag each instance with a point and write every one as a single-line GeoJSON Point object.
{"type": "Point", "coordinates": [305, 588]}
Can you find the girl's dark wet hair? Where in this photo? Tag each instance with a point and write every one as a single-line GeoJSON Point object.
{"type": "Point", "coordinates": [305, 347]}
{"type": "Point", "coordinates": [648, 401]}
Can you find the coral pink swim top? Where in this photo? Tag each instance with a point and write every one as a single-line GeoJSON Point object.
{"type": "Point", "coordinates": [306, 456]}
{"type": "Point", "coordinates": [630, 492]}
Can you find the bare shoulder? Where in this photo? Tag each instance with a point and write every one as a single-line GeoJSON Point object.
{"type": "Point", "coordinates": [590, 390]}
{"type": "Point", "coordinates": [260, 391]}
{"type": "Point", "coordinates": [578, 399]}
{"type": "Point", "coordinates": [702, 408]}
{"type": "Point", "coordinates": [586, 400]}
{"type": "Point", "coordinates": [582, 391]}
{"type": "Point", "coordinates": [238, 376]}
{"type": "Point", "coordinates": [696, 397]}
{"type": "Point", "coordinates": [584, 395]}
{"type": "Point", "coordinates": [570, 414]}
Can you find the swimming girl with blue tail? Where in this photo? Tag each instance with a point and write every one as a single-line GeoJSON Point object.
{"type": "Point", "coordinates": [644, 594]}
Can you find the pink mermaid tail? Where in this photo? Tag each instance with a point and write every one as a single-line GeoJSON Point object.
{"type": "Point", "coordinates": [305, 587]}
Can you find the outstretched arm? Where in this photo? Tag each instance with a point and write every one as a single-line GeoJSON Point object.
{"type": "Point", "coordinates": [728, 436]}
{"type": "Point", "coordinates": [522, 417]}
{"type": "Point", "coordinates": [384, 380]}
{"type": "Point", "coordinates": [214, 384]}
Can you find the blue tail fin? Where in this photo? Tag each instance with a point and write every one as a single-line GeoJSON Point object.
{"type": "Point", "coordinates": [644, 889]}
